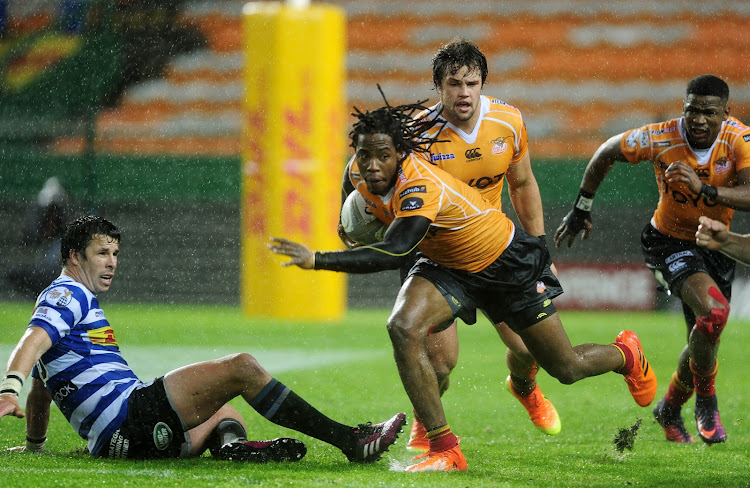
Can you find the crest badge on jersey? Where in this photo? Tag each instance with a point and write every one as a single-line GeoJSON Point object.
{"type": "Point", "coordinates": [721, 166]}
{"type": "Point", "coordinates": [60, 296]}
{"type": "Point", "coordinates": [499, 146]}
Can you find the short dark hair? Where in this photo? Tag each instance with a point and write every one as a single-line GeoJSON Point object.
{"type": "Point", "coordinates": [708, 85]}
{"type": "Point", "coordinates": [407, 133]}
{"type": "Point", "coordinates": [79, 234]}
{"type": "Point", "coordinates": [458, 53]}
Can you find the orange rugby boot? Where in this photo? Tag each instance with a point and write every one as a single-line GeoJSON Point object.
{"type": "Point", "coordinates": [450, 460]}
{"type": "Point", "coordinates": [541, 411]}
{"type": "Point", "coordinates": [641, 379]}
{"type": "Point", "coordinates": [418, 437]}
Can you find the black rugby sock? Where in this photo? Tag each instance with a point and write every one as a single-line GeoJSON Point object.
{"type": "Point", "coordinates": [282, 406]}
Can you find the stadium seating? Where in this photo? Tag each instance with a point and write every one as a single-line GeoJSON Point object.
{"type": "Point", "coordinates": [579, 71]}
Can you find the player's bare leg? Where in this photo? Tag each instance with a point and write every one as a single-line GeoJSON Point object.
{"type": "Point", "coordinates": [521, 382]}
{"type": "Point", "coordinates": [442, 349]}
{"type": "Point", "coordinates": [697, 365]}
{"type": "Point", "coordinates": [419, 308]}
{"type": "Point", "coordinates": [549, 343]}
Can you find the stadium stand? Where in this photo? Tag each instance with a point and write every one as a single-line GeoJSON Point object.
{"type": "Point", "coordinates": [580, 71]}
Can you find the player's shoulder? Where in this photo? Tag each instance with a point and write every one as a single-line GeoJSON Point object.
{"type": "Point", "coordinates": [734, 128]}
{"type": "Point", "coordinates": [64, 292]}
{"type": "Point", "coordinates": [501, 106]}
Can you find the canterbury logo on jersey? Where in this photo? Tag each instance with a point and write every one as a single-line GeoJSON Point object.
{"type": "Point", "coordinates": [473, 153]}
{"type": "Point", "coordinates": [104, 336]}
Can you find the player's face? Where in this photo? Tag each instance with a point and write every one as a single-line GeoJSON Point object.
{"type": "Point", "coordinates": [703, 117]}
{"type": "Point", "coordinates": [378, 162]}
{"type": "Point", "coordinates": [96, 268]}
{"type": "Point", "coordinates": [460, 94]}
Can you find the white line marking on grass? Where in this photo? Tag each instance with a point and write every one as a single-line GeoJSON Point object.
{"type": "Point", "coordinates": [150, 361]}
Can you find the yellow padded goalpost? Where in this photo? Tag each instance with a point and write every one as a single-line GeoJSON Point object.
{"type": "Point", "coordinates": [293, 154]}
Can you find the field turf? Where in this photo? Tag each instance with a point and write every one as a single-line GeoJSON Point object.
{"type": "Point", "coordinates": [347, 371]}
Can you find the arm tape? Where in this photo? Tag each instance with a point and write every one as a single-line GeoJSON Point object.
{"type": "Point", "coordinates": [12, 383]}
{"type": "Point", "coordinates": [584, 200]}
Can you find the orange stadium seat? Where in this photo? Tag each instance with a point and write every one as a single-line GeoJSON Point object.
{"type": "Point", "coordinates": [579, 71]}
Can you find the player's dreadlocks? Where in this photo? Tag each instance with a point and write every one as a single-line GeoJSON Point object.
{"type": "Point", "coordinates": [408, 134]}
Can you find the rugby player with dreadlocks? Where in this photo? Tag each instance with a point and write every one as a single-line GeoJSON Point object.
{"type": "Point", "coordinates": [474, 258]}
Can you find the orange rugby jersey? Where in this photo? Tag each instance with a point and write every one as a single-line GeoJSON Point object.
{"type": "Point", "coordinates": [466, 231]}
{"type": "Point", "coordinates": [481, 159]}
{"type": "Point", "coordinates": [664, 143]}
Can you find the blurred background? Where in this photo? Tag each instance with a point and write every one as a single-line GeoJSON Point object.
{"type": "Point", "coordinates": [133, 109]}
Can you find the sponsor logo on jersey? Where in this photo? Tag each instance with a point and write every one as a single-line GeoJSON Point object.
{"type": "Point", "coordinates": [541, 315]}
{"type": "Point", "coordinates": [663, 144]}
{"type": "Point", "coordinates": [703, 173]}
{"type": "Point", "coordinates": [60, 296]}
{"type": "Point", "coordinates": [472, 154]}
{"type": "Point", "coordinates": [746, 137]}
{"type": "Point", "coordinates": [401, 175]}
{"type": "Point", "coordinates": [103, 336]}
{"type": "Point", "coordinates": [413, 189]}
{"type": "Point", "coordinates": [412, 203]}
{"type": "Point", "coordinates": [677, 265]}
{"type": "Point", "coordinates": [644, 140]}
{"type": "Point", "coordinates": [547, 302]}
{"type": "Point", "coordinates": [665, 130]}
{"type": "Point", "coordinates": [442, 157]}
{"type": "Point", "coordinates": [499, 145]}
{"type": "Point", "coordinates": [64, 392]}
{"type": "Point", "coordinates": [678, 255]}
{"type": "Point", "coordinates": [632, 138]}
{"type": "Point", "coordinates": [162, 436]}
{"type": "Point", "coordinates": [540, 287]}
{"type": "Point", "coordinates": [721, 166]}
{"type": "Point", "coordinates": [41, 313]}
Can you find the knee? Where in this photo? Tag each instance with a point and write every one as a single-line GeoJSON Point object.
{"type": "Point", "coordinates": [564, 374]}
{"type": "Point", "coordinates": [402, 330]}
{"type": "Point", "coordinates": [712, 324]}
{"type": "Point", "coordinates": [243, 366]}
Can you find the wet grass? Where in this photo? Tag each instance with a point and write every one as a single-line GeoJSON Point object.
{"type": "Point", "coordinates": [347, 371]}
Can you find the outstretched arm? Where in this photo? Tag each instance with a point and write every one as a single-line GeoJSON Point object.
{"type": "Point", "coordinates": [579, 219]}
{"type": "Point", "coordinates": [402, 236]}
{"type": "Point", "coordinates": [715, 236]}
{"type": "Point", "coordinates": [29, 349]}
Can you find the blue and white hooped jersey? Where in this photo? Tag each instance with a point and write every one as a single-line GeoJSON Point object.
{"type": "Point", "coordinates": [83, 371]}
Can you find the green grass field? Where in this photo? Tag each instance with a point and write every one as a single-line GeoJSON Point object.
{"type": "Point", "coordinates": [347, 371]}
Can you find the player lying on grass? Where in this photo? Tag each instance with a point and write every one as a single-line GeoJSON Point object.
{"type": "Point", "coordinates": [183, 413]}
{"type": "Point", "coordinates": [474, 258]}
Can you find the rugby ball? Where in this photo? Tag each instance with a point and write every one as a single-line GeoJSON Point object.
{"type": "Point", "coordinates": [360, 225]}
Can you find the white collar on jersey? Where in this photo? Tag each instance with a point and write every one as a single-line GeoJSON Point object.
{"type": "Point", "coordinates": [703, 156]}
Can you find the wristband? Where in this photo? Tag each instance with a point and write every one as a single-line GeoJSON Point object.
{"type": "Point", "coordinates": [12, 383]}
{"type": "Point", "coordinates": [315, 253]}
{"type": "Point", "coordinates": [709, 191]}
{"type": "Point", "coordinates": [584, 200]}
{"type": "Point", "coordinates": [35, 445]}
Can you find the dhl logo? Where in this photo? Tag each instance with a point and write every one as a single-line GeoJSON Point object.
{"type": "Point", "coordinates": [104, 336]}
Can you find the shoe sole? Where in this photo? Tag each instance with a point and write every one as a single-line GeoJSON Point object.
{"type": "Point", "coordinates": [279, 451]}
